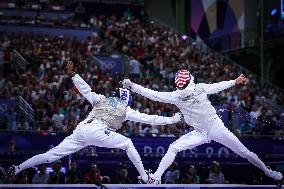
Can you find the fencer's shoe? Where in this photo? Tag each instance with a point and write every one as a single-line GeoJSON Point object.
{"type": "Point", "coordinates": [142, 180]}
{"type": "Point", "coordinates": [154, 180]}
{"type": "Point", "coordinates": [150, 180]}
{"type": "Point", "coordinates": [275, 175]}
{"type": "Point", "coordinates": [10, 175]}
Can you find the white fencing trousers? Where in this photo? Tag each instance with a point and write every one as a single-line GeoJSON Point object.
{"type": "Point", "coordinates": [221, 134]}
{"type": "Point", "coordinates": [217, 132]}
{"type": "Point", "coordinates": [187, 141]}
{"type": "Point", "coordinates": [85, 134]}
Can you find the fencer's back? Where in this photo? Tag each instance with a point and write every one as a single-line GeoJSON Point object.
{"type": "Point", "coordinates": [110, 110]}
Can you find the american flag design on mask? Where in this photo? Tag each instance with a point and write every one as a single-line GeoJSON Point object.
{"type": "Point", "coordinates": [182, 78]}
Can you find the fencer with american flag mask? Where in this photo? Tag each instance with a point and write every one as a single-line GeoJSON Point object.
{"type": "Point", "coordinates": [198, 112]}
{"type": "Point", "coordinates": [99, 128]}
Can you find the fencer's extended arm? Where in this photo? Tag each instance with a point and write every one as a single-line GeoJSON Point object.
{"type": "Point", "coordinates": [217, 87]}
{"type": "Point", "coordinates": [86, 90]}
{"type": "Point", "coordinates": [136, 116]}
{"type": "Point", "coordinates": [166, 97]}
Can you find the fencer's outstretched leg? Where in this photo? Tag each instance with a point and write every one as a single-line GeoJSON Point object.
{"type": "Point", "coordinates": [68, 146]}
{"type": "Point", "coordinates": [166, 161]}
{"type": "Point", "coordinates": [116, 140]}
{"type": "Point", "coordinates": [185, 142]}
{"type": "Point", "coordinates": [221, 134]}
{"type": "Point", "coordinates": [136, 159]}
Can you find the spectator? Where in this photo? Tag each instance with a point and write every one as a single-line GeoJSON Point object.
{"type": "Point", "coordinates": [178, 133]}
{"type": "Point", "coordinates": [149, 132]}
{"type": "Point", "coordinates": [91, 151]}
{"type": "Point", "coordinates": [11, 147]}
{"type": "Point", "coordinates": [57, 176]}
{"type": "Point", "coordinates": [58, 120]}
{"type": "Point", "coordinates": [74, 176]}
{"type": "Point", "coordinates": [279, 130]}
{"type": "Point", "coordinates": [245, 127]}
{"type": "Point", "coordinates": [105, 180]}
{"type": "Point", "coordinates": [136, 132]}
{"type": "Point", "coordinates": [254, 113]}
{"type": "Point", "coordinates": [134, 68]}
{"type": "Point", "coordinates": [122, 177]}
{"type": "Point", "coordinates": [190, 176]}
{"type": "Point", "coordinates": [41, 177]}
{"type": "Point", "coordinates": [280, 122]}
{"type": "Point", "coordinates": [127, 14]}
{"type": "Point", "coordinates": [172, 175]}
{"type": "Point", "coordinates": [11, 117]}
{"type": "Point", "coordinates": [167, 132]}
{"type": "Point", "coordinates": [143, 15]}
{"type": "Point", "coordinates": [237, 133]}
{"type": "Point", "coordinates": [216, 176]}
{"type": "Point", "coordinates": [22, 178]}
{"type": "Point", "coordinates": [64, 110]}
{"type": "Point", "coordinates": [80, 9]}
{"type": "Point", "coordinates": [93, 176]}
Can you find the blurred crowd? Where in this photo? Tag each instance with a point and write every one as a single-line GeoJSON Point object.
{"type": "Point", "coordinates": [59, 175]}
{"type": "Point", "coordinates": [155, 54]}
{"type": "Point", "coordinates": [74, 174]}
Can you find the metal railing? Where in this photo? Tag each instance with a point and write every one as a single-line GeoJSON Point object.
{"type": "Point", "coordinates": [18, 59]}
{"type": "Point", "coordinates": [26, 109]}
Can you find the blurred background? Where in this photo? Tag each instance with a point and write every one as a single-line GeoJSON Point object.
{"type": "Point", "coordinates": [146, 41]}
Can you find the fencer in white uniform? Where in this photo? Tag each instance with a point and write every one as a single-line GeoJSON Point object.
{"type": "Point", "coordinates": [98, 129]}
{"type": "Point", "coordinates": [198, 112]}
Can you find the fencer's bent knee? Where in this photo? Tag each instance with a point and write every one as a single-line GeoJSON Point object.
{"type": "Point", "coordinates": [128, 144]}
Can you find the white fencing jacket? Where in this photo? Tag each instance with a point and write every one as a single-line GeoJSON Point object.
{"type": "Point", "coordinates": [192, 101]}
{"type": "Point", "coordinates": [112, 111]}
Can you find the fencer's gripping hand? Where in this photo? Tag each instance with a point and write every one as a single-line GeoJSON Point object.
{"type": "Point", "coordinates": [127, 84]}
{"type": "Point", "coordinates": [177, 117]}
{"type": "Point", "coordinates": [241, 79]}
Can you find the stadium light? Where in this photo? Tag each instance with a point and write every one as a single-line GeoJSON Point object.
{"type": "Point", "coordinates": [184, 37]}
{"type": "Point", "coordinates": [274, 12]}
